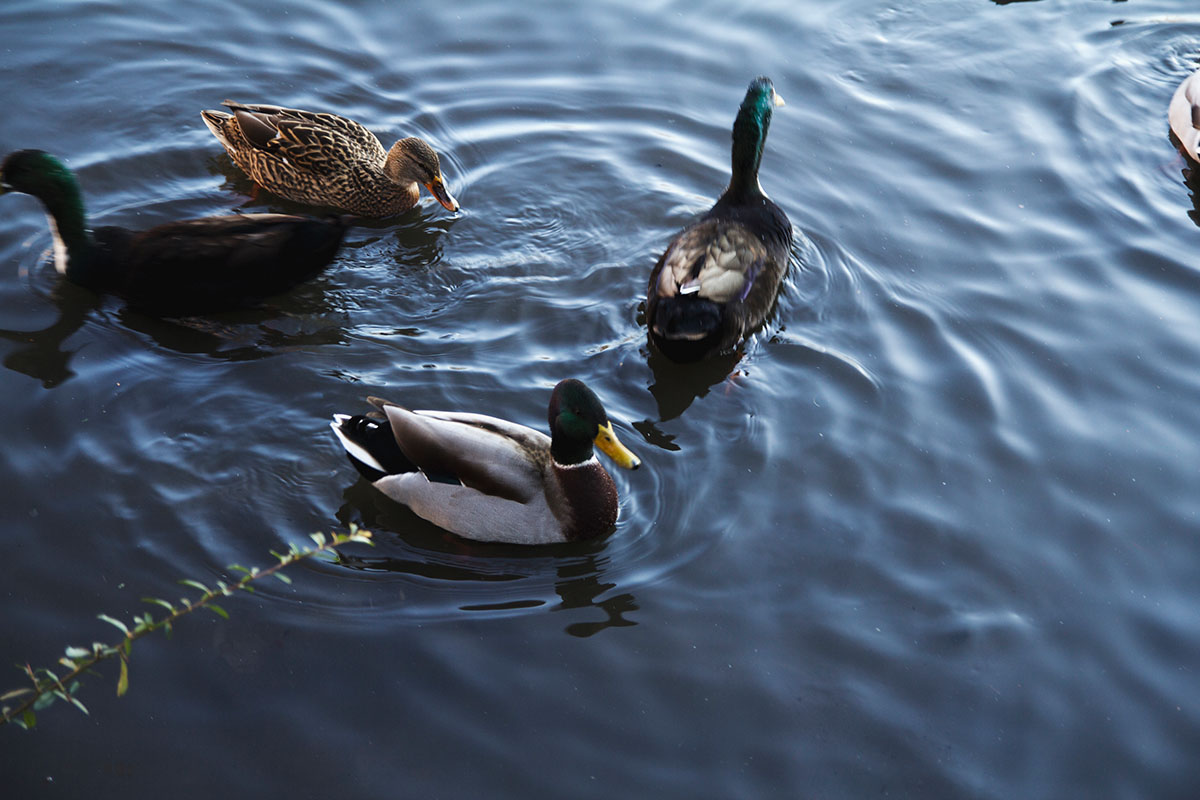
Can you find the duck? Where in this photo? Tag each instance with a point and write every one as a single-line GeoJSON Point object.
{"type": "Point", "coordinates": [1184, 116]}
{"type": "Point", "coordinates": [322, 159]}
{"type": "Point", "coordinates": [719, 276]}
{"type": "Point", "coordinates": [491, 480]}
{"type": "Point", "coordinates": [180, 268]}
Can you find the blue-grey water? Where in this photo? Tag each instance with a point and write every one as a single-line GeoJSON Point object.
{"type": "Point", "coordinates": [933, 534]}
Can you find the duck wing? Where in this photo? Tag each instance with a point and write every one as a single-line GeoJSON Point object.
{"type": "Point", "coordinates": [315, 141]}
{"type": "Point", "coordinates": [496, 457]}
{"type": "Point", "coordinates": [714, 259]}
{"type": "Point", "coordinates": [502, 467]}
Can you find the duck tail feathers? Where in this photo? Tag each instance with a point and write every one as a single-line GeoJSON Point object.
{"type": "Point", "coordinates": [215, 120]}
{"type": "Point", "coordinates": [370, 446]}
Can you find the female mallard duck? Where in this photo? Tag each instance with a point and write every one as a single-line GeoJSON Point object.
{"type": "Point", "coordinates": [189, 267]}
{"type": "Point", "coordinates": [1184, 114]}
{"type": "Point", "coordinates": [327, 160]}
{"type": "Point", "coordinates": [487, 479]}
{"type": "Point", "coordinates": [719, 276]}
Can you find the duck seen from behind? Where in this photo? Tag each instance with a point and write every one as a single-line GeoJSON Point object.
{"type": "Point", "coordinates": [326, 160]}
{"type": "Point", "coordinates": [1184, 116]}
{"type": "Point", "coordinates": [492, 480]}
{"type": "Point", "coordinates": [719, 276]}
{"type": "Point", "coordinates": [192, 266]}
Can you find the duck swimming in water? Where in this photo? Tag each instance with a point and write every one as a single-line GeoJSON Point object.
{"type": "Point", "coordinates": [492, 480]}
{"type": "Point", "coordinates": [719, 276]}
{"type": "Point", "coordinates": [326, 160]}
{"type": "Point", "coordinates": [192, 266]}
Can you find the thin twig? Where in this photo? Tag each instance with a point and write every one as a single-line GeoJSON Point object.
{"type": "Point", "coordinates": [46, 686]}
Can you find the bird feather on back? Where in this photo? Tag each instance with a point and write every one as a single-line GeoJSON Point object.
{"type": "Point", "coordinates": [715, 259]}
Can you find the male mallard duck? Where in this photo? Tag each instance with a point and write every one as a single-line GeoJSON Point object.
{"type": "Point", "coordinates": [187, 267]}
{"type": "Point", "coordinates": [327, 160]}
{"type": "Point", "coordinates": [719, 276]}
{"type": "Point", "coordinates": [1184, 114]}
{"type": "Point", "coordinates": [488, 479]}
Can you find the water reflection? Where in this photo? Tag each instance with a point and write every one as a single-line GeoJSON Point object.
{"type": "Point", "coordinates": [518, 574]}
{"type": "Point", "coordinates": [677, 386]}
{"type": "Point", "coordinates": [243, 335]}
{"type": "Point", "coordinates": [234, 336]}
{"type": "Point", "coordinates": [581, 584]}
{"type": "Point", "coordinates": [1191, 179]}
{"type": "Point", "coordinates": [41, 355]}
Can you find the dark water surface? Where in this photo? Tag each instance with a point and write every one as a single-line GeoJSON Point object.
{"type": "Point", "coordinates": [934, 534]}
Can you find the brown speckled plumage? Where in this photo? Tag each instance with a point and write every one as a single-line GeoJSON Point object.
{"type": "Point", "coordinates": [326, 160]}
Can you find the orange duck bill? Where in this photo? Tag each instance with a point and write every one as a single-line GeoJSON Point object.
{"type": "Point", "coordinates": [438, 189]}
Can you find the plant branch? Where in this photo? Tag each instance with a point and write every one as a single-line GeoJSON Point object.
{"type": "Point", "coordinates": [46, 686]}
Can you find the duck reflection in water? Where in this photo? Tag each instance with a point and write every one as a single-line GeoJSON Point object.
{"type": "Point", "coordinates": [41, 354]}
{"type": "Point", "coordinates": [494, 578]}
{"type": "Point", "coordinates": [1191, 179]}
{"type": "Point", "coordinates": [677, 386]}
{"type": "Point", "coordinates": [245, 335]}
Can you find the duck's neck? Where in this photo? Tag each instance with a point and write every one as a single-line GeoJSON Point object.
{"type": "Point", "coordinates": [592, 498]}
{"type": "Point", "coordinates": [74, 249]}
{"type": "Point", "coordinates": [749, 136]}
{"type": "Point", "coordinates": [568, 452]}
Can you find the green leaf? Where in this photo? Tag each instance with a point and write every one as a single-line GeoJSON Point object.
{"type": "Point", "coordinates": [68, 663]}
{"type": "Point", "coordinates": [43, 701]}
{"type": "Point", "coordinates": [123, 680]}
{"type": "Point", "coordinates": [238, 568]}
{"type": "Point", "coordinates": [115, 622]}
{"type": "Point", "coordinates": [14, 694]}
{"type": "Point", "coordinates": [216, 609]}
{"type": "Point", "coordinates": [195, 585]}
{"type": "Point", "coordinates": [158, 601]}
{"type": "Point", "coordinates": [29, 721]}
{"type": "Point", "coordinates": [319, 538]}
{"type": "Point", "coordinates": [283, 578]}
{"type": "Point", "coordinates": [75, 702]}
{"type": "Point", "coordinates": [78, 652]}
